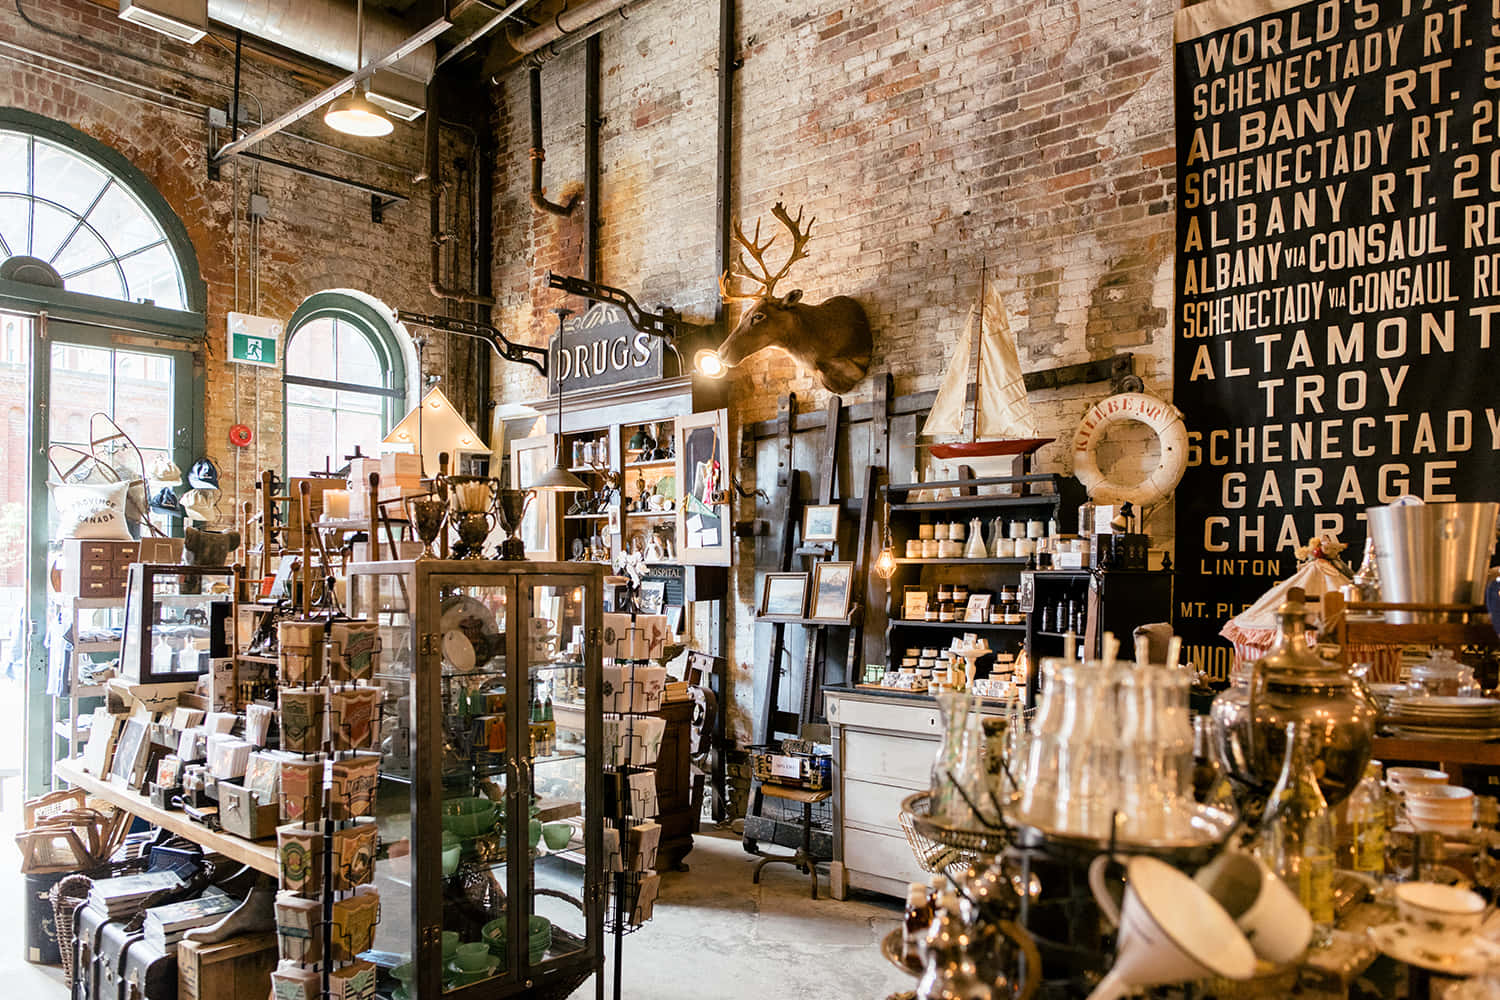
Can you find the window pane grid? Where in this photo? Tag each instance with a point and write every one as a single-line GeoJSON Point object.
{"type": "Point", "coordinates": [338, 390]}
{"type": "Point", "coordinates": [73, 214]}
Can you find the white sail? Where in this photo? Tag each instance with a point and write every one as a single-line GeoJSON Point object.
{"type": "Point", "coordinates": [1003, 411]}
{"type": "Point", "coordinates": [947, 413]}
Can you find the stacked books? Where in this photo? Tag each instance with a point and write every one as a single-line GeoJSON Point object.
{"type": "Point", "coordinates": [165, 925]}
{"type": "Point", "coordinates": [121, 897]}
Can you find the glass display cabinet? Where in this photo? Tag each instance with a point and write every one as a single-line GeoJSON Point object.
{"type": "Point", "coordinates": [176, 620]}
{"type": "Point", "coordinates": [489, 805]}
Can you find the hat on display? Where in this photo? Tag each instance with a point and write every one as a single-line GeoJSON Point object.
{"type": "Point", "coordinates": [200, 504]}
{"type": "Point", "coordinates": [204, 475]}
{"type": "Point", "coordinates": [165, 501]}
{"type": "Point", "coordinates": [163, 471]}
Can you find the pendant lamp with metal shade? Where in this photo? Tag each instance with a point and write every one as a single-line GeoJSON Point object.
{"type": "Point", "coordinates": [558, 479]}
{"type": "Point", "coordinates": [353, 113]}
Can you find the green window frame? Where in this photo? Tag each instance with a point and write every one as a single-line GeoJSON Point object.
{"type": "Point", "coordinates": [64, 316]}
{"type": "Point", "coordinates": [385, 395]}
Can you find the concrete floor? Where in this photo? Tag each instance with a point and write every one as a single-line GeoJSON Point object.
{"type": "Point", "coordinates": [715, 935]}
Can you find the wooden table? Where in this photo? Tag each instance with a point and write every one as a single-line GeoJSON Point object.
{"type": "Point", "coordinates": [1449, 755]}
{"type": "Point", "coordinates": [260, 855]}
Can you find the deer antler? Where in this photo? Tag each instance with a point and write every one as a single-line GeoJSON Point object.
{"type": "Point", "coordinates": [757, 251]}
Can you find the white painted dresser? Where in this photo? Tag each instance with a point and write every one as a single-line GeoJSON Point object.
{"type": "Point", "coordinates": [883, 747]}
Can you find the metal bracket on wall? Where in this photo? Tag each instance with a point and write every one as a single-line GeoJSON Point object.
{"type": "Point", "coordinates": [667, 324]}
{"type": "Point", "coordinates": [523, 354]}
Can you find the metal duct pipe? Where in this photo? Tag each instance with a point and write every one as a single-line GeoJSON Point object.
{"type": "Point", "coordinates": [435, 187]}
{"type": "Point", "coordinates": [324, 30]}
{"type": "Point", "coordinates": [539, 154]}
{"type": "Point", "coordinates": [568, 21]}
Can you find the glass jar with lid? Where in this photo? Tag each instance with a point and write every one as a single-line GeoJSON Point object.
{"type": "Point", "coordinates": [1443, 676]}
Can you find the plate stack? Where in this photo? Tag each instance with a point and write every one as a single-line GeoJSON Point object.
{"type": "Point", "coordinates": [1447, 718]}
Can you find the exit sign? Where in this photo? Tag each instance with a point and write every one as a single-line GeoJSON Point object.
{"type": "Point", "coordinates": [254, 340]}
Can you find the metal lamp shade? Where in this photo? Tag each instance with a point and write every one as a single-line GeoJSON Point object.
{"type": "Point", "coordinates": [558, 480]}
{"type": "Point", "coordinates": [353, 114]}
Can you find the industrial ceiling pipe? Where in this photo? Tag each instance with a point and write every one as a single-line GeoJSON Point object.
{"type": "Point", "coordinates": [539, 154]}
{"type": "Point", "coordinates": [324, 30]}
{"type": "Point", "coordinates": [568, 21]}
{"type": "Point", "coordinates": [435, 187]}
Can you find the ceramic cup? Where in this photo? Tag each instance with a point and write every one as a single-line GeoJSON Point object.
{"type": "Point", "coordinates": [1262, 905]}
{"type": "Point", "coordinates": [1446, 916]}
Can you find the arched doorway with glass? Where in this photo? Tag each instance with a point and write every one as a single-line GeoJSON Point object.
{"type": "Point", "coordinates": [101, 311]}
{"type": "Point", "coordinates": [346, 380]}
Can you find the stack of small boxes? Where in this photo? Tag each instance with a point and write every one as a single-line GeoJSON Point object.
{"type": "Point", "coordinates": [327, 909]}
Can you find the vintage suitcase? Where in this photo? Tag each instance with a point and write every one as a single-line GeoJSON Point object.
{"type": "Point", "coordinates": [115, 962]}
{"type": "Point", "coordinates": [149, 973]}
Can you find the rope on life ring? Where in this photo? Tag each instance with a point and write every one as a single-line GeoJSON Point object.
{"type": "Point", "coordinates": [1165, 422]}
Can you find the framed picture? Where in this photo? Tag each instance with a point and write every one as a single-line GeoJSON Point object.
{"type": "Point", "coordinates": [653, 596]}
{"type": "Point", "coordinates": [978, 608]}
{"type": "Point", "coordinates": [281, 584]}
{"type": "Point", "coordinates": [820, 523]}
{"type": "Point", "coordinates": [832, 584]}
{"type": "Point", "coordinates": [784, 595]}
{"type": "Point", "coordinates": [129, 764]}
{"type": "Point", "coordinates": [674, 618]}
{"type": "Point", "coordinates": [914, 604]}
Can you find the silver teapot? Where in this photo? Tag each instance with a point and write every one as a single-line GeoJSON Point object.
{"type": "Point", "coordinates": [1292, 683]}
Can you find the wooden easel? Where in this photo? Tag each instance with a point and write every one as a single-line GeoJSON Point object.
{"type": "Point", "coordinates": [770, 720]}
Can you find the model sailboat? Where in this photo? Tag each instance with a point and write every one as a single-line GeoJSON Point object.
{"type": "Point", "coordinates": [983, 395]}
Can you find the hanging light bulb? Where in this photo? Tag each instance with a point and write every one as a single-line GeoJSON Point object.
{"type": "Point", "coordinates": [885, 563]}
{"type": "Point", "coordinates": [353, 114]}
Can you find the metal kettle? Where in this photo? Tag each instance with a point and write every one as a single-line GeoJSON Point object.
{"type": "Point", "coordinates": [1292, 683]}
{"type": "Point", "coordinates": [980, 952]}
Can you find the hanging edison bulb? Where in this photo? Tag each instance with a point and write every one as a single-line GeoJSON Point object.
{"type": "Point", "coordinates": [885, 563]}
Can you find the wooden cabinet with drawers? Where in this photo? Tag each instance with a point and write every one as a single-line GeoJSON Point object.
{"type": "Point", "coordinates": [96, 568]}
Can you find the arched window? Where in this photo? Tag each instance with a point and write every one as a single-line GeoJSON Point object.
{"type": "Point", "coordinates": [345, 381]}
{"type": "Point", "coordinates": [74, 214]}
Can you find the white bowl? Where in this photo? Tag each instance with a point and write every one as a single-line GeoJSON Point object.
{"type": "Point", "coordinates": [1405, 778]}
{"type": "Point", "coordinates": [1438, 793]}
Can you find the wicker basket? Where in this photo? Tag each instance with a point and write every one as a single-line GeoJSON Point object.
{"type": "Point", "coordinates": [66, 896]}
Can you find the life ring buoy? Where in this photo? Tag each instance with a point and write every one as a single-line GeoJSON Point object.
{"type": "Point", "coordinates": [1165, 422]}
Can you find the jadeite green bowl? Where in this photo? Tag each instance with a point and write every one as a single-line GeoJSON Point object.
{"type": "Point", "coordinates": [468, 817]}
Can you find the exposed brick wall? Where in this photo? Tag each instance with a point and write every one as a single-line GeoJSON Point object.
{"type": "Point", "coordinates": [318, 235]}
{"type": "Point", "coordinates": [928, 138]}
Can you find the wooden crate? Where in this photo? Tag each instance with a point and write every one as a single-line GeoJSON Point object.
{"type": "Point", "coordinates": [237, 969]}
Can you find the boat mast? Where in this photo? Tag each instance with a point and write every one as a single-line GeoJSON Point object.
{"type": "Point", "coordinates": [971, 413]}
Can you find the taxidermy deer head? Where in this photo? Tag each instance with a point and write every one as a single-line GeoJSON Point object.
{"type": "Point", "coordinates": [832, 338]}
